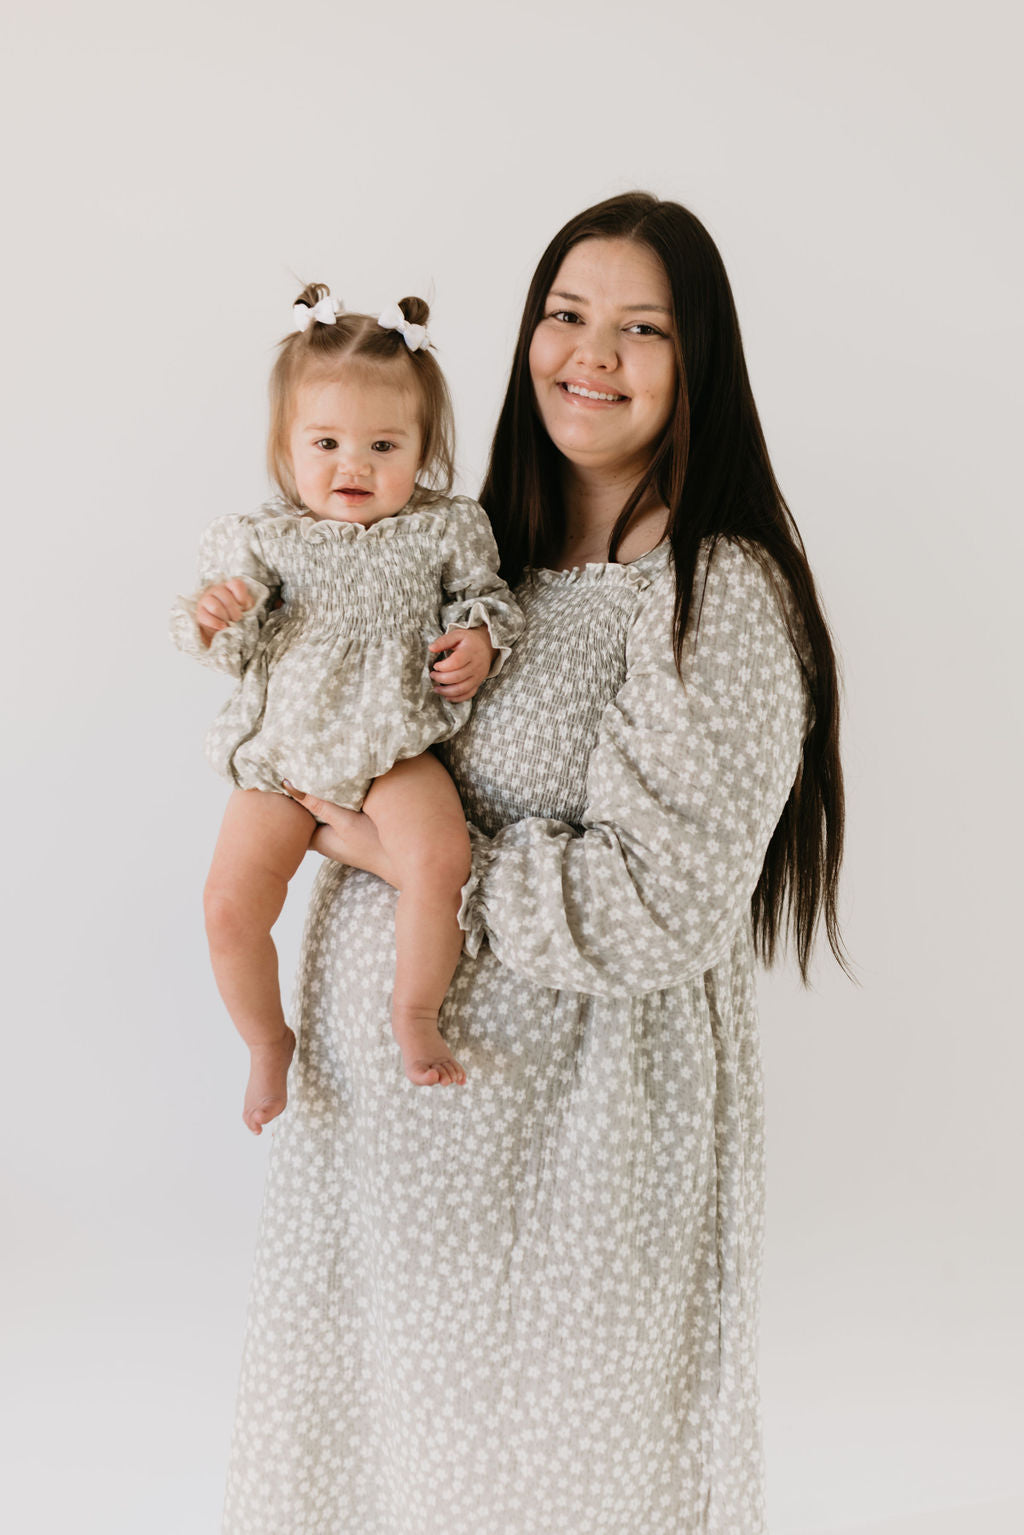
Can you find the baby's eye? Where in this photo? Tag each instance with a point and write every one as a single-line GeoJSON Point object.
{"type": "Point", "coordinates": [327, 443]}
{"type": "Point", "coordinates": [382, 447]}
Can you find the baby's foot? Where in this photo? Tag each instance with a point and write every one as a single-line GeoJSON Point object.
{"type": "Point", "coordinates": [427, 1059]}
{"type": "Point", "coordinates": [265, 1093]}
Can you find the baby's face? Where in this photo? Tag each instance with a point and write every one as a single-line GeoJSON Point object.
{"type": "Point", "coordinates": [355, 446]}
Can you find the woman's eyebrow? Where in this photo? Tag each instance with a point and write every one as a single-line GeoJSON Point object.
{"type": "Point", "coordinates": [576, 298]}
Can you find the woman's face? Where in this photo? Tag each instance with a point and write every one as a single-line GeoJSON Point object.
{"type": "Point", "coordinates": [602, 359]}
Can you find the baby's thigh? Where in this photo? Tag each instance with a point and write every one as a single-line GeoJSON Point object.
{"type": "Point", "coordinates": [419, 817]}
{"type": "Point", "coordinates": [262, 835]}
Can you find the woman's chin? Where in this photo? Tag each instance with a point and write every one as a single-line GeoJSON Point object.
{"type": "Point", "coordinates": [597, 455]}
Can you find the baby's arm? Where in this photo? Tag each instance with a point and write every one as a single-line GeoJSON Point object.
{"type": "Point", "coordinates": [478, 600]}
{"type": "Point", "coordinates": [220, 625]}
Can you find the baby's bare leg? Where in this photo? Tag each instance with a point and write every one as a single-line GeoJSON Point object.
{"type": "Point", "coordinates": [262, 841]}
{"type": "Point", "coordinates": [419, 817]}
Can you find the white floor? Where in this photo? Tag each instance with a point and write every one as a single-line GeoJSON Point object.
{"type": "Point", "coordinates": [889, 1410]}
{"type": "Point", "coordinates": [118, 1392]}
{"type": "Point", "coordinates": [977, 1519]}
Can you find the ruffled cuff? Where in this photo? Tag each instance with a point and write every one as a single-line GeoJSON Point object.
{"type": "Point", "coordinates": [231, 648]}
{"type": "Point", "coordinates": [471, 909]}
{"type": "Point", "coordinates": [504, 624]}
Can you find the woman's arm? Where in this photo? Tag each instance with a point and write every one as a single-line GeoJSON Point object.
{"type": "Point", "coordinates": [346, 836]}
{"type": "Point", "coordinates": [686, 783]}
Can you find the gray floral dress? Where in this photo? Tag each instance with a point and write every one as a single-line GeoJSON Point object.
{"type": "Point", "coordinates": [334, 684]}
{"type": "Point", "coordinates": [529, 1305]}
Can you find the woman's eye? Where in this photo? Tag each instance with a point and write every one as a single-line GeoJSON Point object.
{"type": "Point", "coordinates": [382, 447]}
{"type": "Point", "coordinates": [327, 443]}
{"type": "Point", "coordinates": [567, 316]}
{"type": "Point", "coordinates": [643, 329]}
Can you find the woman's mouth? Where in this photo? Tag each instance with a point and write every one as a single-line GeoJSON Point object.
{"type": "Point", "coordinates": [584, 392]}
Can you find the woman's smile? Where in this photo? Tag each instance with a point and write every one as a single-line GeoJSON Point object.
{"type": "Point", "coordinates": [590, 394]}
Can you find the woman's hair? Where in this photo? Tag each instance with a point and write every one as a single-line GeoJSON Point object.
{"type": "Point", "coordinates": [711, 469]}
{"type": "Point", "coordinates": [324, 350]}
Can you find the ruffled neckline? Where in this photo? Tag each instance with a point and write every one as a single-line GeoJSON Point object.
{"type": "Point", "coordinates": [318, 529]}
{"type": "Point", "coordinates": [637, 573]}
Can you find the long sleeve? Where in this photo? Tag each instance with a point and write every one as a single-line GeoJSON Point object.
{"type": "Point", "coordinates": [229, 548]}
{"type": "Point", "coordinates": [476, 593]}
{"type": "Point", "coordinates": [685, 785]}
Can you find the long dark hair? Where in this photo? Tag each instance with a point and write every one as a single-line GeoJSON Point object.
{"type": "Point", "coordinates": [711, 469]}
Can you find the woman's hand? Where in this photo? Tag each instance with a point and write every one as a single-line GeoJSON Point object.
{"type": "Point", "coordinates": [220, 606]}
{"type": "Point", "coordinates": [348, 836]}
{"type": "Point", "coordinates": [468, 662]}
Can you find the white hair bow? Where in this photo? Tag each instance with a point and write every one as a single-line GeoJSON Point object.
{"type": "Point", "coordinates": [326, 310]}
{"type": "Point", "coordinates": [414, 336]}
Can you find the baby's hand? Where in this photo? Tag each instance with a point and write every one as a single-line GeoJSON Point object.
{"type": "Point", "coordinates": [467, 663]}
{"type": "Point", "coordinates": [221, 605]}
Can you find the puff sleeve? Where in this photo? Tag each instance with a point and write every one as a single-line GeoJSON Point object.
{"type": "Point", "coordinates": [686, 783]}
{"type": "Point", "coordinates": [475, 592]}
{"type": "Point", "coordinates": [229, 548]}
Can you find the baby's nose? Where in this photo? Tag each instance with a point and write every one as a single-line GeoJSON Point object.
{"type": "Point", "coordinates": [354, 461]}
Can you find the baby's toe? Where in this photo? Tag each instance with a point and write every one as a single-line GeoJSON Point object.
{"type": "Point", "coordinates": [425, 1073]}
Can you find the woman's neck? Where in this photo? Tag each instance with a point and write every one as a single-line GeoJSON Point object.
{"type": "Point", "coordinates": [593, 501]}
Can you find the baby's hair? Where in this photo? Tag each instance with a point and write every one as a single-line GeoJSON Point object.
{"type": "Point", "coordinates": [321, 350]}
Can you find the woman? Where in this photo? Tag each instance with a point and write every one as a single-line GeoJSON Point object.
{"type": "Point", "coordinates": [529, 1304]}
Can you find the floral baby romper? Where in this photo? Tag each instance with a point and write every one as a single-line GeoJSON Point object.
{"type": "Point", "coordinates": [334, 682]}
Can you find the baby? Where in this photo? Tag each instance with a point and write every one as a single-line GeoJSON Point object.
{"type": "Point", "coordinates": [330, 605]}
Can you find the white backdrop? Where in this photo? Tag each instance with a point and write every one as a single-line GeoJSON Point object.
{"type": "Point", "coordinates": [168, 170]}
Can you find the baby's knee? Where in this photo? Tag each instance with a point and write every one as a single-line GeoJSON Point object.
{"type": "Point", "coordinates": [440, 868]}
{"type": "Point", "coordinates": [229, 916]}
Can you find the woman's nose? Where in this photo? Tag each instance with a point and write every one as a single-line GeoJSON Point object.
{"type": "Point", "coordinates": [597, 348]}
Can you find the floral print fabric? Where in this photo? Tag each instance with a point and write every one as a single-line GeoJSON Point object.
{"type": "Point", "coordinates": [334, 684]}
{"type": "Point", "coordinates": [529, 1305]}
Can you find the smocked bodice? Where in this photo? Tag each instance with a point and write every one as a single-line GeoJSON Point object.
{"type": "Point", "coordinates": [566, 667]}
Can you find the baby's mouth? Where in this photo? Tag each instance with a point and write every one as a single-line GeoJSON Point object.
{"type": "Point", "coordinates": [351, 490]}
